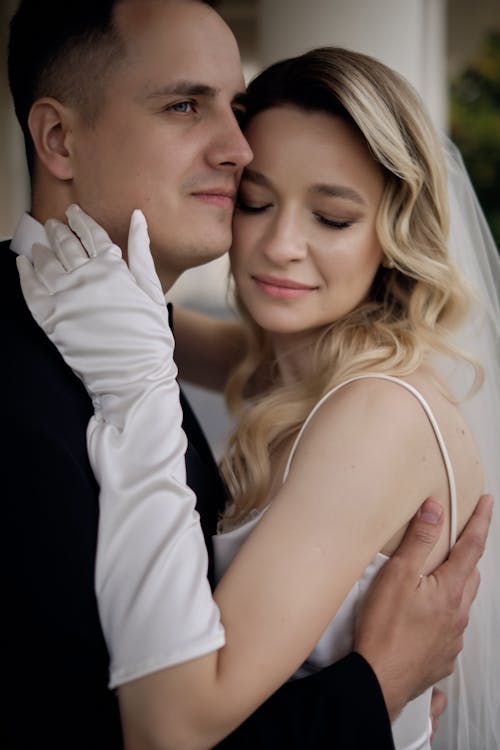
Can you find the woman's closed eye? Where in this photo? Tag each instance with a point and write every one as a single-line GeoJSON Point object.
{"type": "Point", "coordinates": [334, 223]}
{"type": "Point", "coordinates": [251, 208]}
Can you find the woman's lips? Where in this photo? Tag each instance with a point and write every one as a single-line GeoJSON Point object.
{"type": "Point", "coordinates": [282, 288]}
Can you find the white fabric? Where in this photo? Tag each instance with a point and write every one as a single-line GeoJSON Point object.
{"type": "Point", "coordinates": [472, 719]}
{"type": "Point", "coordinates": [411, 730]}
{"type": "Point", "coordinates": [111, 326]}
{"type": "Point", "coordinates": [28, 231]}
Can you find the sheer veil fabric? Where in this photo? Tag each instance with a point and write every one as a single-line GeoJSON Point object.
{"type": "Point", "coordinates": [472, 719]}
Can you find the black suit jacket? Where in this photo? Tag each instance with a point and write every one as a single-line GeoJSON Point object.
{"type": "Point", "coordinates": [55, 662]}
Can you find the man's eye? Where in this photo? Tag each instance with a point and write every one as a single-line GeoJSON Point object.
{"type": "Point", "coordinates": [181, 107]}
{"type": "Point", "coordinates": [239, 113]}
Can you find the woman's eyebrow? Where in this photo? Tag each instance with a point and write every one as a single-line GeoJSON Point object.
{"type": "Point", "coordinates": [257, 178]}
{"type": "Point", "coordinates": [338, 191]}
{"type": "Point", "coordinates": [331, 191]}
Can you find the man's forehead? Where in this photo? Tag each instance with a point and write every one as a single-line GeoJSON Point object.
{"type": "Point", "coordinates": [181, 46]}
{"type": "Point", "coordinates": [180, 20]}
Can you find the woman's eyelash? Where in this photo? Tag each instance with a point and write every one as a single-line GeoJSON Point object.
{"type": "Point", "coordinates": [333, 223]}
{"type": "Point", "coordinates": [251, 209]}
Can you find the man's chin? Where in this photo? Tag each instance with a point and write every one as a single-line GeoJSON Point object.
{"type": "Point", "coordinates": [208, 254]}
{"type": "Point", "coordinates": [185, 255]}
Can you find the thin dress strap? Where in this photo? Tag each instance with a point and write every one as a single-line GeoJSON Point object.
{"type": "Point", "coordinates": [432, 420]}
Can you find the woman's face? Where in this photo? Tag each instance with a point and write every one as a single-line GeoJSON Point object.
{"type": "Point", "coordinates": [305, 250]}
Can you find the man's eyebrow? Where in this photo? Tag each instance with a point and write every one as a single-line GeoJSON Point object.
{"type": "Point", "coordinates": [338, 191]}
{"type": "Point", "coordinates": [183, 88]}
{"type": "Point", "coordinates": [191, 88]}
{"type": "Point", "coordinates": [331, 191]}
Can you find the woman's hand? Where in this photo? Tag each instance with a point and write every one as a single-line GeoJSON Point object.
{"type": "Point", "coordinates": [110, 323]}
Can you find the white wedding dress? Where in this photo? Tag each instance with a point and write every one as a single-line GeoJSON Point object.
{"type": "Point", "coordinates": [412, 728]}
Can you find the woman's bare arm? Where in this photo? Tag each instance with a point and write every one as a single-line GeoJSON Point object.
{"type": "Point", "coordinates": [206, 347]}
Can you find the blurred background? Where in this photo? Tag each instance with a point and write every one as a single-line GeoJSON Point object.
{"type": "Point", "coordinates": [448, 49]}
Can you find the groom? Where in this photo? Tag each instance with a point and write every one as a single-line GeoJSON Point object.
{"type": "Point", "coordinates": [126, 104]}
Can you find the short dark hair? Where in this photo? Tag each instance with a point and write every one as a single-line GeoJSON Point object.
{"type": "Point", "coordinates": [64, 50]}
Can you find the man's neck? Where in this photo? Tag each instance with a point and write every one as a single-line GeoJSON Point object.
{"type": "Point", "coordinates": [49, 200]}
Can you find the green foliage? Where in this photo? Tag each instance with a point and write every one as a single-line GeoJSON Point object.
{"type": "Point", "coordinates": [475, 126]}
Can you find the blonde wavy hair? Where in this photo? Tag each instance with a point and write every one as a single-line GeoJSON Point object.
{"type": "Point", "coordinates": [417, 298]}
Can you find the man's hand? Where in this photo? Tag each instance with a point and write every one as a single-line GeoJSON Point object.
{"type": "Point", "coordinates": [439, 701]}
{"type": "Point", "coordinates": [411, 626]}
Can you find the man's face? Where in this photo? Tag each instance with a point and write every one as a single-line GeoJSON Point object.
{"type": "Point", "coordinates": [166, 139]}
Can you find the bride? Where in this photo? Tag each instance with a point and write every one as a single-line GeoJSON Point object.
{"type": "Point", "coordinates": [365, 349]}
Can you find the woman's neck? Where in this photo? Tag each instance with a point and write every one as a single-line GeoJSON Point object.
{"type": "Point", "coordinates": [293, 355]}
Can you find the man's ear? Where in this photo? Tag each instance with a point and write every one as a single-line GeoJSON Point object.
{"type": "Point", "coordinates": [50, 124]}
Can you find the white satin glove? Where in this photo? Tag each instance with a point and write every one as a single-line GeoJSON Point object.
{"type": "Point", "coordinates": [110, 323]}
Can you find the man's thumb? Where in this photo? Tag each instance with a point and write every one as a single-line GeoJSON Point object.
{"type": "Point", "coordinates": [422, 534]}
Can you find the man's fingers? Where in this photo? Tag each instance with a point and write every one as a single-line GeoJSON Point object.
{"type": "Point", "coordinates": [469, 548]}
{"type": "Point", "coordinates": [93, 237]}
{"type": "Point", "coordinates": [421, 536]}
{"type": "Point", "coordinates": [470, 589]}
{"type": "Point", "coordinates": [439, 702]}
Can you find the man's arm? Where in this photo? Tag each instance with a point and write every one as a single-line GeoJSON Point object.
{"type": "Point", "coordinates": [410, 632]}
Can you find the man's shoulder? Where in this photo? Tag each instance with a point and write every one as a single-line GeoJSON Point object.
{"type": "Point", "coordinates": [5, 246]}
{"type": "Point", "coordinates": [7, 262]}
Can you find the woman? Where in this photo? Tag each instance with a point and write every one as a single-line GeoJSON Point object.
{"type": "Point", "coordinates": [342, 271]}
{"type": "Point", "coordinates": [302, 244]}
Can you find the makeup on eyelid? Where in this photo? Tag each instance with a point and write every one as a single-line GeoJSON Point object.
{"type": "Point", "coordinates": [305, 248]}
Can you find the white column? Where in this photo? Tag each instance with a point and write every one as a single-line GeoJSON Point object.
{"type": "Point", "coordinates": [14, 193]}
{"type": "Point", "coordinates": [408, 35]}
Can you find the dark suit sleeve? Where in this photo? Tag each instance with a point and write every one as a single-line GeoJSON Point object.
{"type": "Point", "coordinates": [54, 662]}
{"type": "Point", "coordinates": [339, 708]}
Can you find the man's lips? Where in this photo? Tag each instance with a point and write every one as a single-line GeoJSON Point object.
{"type": "Point", "coordinates": [282, 288]}
{"type": "Point", "coordinates": [224, 197]}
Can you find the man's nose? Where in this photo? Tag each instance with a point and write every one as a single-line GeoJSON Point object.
{"type": "Point", "coordinates": [231, 148]}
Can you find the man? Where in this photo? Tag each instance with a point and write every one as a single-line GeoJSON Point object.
{"type": "Point", "coordinates": [132, 104]}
